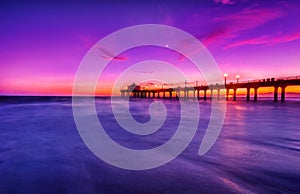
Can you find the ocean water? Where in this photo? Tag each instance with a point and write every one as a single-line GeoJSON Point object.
{"type": "Point", "coordinates": [41, 151]}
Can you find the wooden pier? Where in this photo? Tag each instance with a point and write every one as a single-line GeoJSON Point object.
{"type": "Point", "coordinates": [175, 92]}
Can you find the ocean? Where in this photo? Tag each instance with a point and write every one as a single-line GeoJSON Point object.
{"type": "Point", "coordinates": [41, 151]}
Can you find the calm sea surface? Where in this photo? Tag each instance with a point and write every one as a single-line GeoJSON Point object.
{"type": "Point", "coordinates": [258, 150]}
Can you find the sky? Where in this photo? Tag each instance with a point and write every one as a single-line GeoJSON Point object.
{"type": "Point", "coordinates": [43, 43]}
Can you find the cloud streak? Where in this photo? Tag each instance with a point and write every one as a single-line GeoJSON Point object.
{"type": "Point", "coordinates": [167, 18]}
{"type": "Point", "coordinates": [267, 40]}
{"type": "Point", "coordinates": [145, 72]}
{"type": "Point", "coordinates": [250, 18]}
{"type": "Point", "coordinates": [225, 2]}
{"type": "Point", "coordinates": [110, 56]}
{"type": "Point", "coordinates": [232, 25]}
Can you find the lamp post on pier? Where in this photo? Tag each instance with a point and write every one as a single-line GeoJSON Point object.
{"type": "Point", "coordinates": [225, 76]}
{"type": "Point", "coordinates": [237, 78]}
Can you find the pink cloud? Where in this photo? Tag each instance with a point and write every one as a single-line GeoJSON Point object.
{"type": "Point", "coordinates": [226, 2]}
{"type": "Point", "coordinates": [216, 35]}
{"type": "Point", "coordinates": [267, 40]}
{"type": "Point", "coordinates": [167, 19]}
{"type": "Point", "coordinates": [86, 41]}
{"type": "Point", "coordinates": [113, 58]}
{"type": "Point", "coordinates": [107, 55]}
{"type": "Point", "coordinates": [233, 24]}
{"type": "Point", "coordinates": [146, 72]}
{"type": "Point", "coordinates": [250, 18]}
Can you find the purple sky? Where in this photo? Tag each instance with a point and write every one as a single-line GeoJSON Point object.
{"type": "Point", "coordinates": [42, 44]}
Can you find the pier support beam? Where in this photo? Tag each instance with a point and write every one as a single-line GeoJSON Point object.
{"type": "Point", "coordinates": [164, 94]}
{"type": "Point", "coordinates": [283, 93]}
{"type": "Point", "coordinates": [170, 93]}
{"type": "Point", "coordinates": [248, 94]}
{"type": "Point", "coordinates": [198, 94]}
{"type": "Point", "coordinates": [218, 94]}
{"type": "Point", "coordinates": [227, 94]}
{"type": "Point", "coordinates": [211, 94]}
{"type": "Point", "coordinates": [205, 94]}
{"type": "Point", "coordinates": [275, 93]}
{"type": "Point", "coordinates": [234, 94]}
{"type": "Point", "coordinates": [255, 94]}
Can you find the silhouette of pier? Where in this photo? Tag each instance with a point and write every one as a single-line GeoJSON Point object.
{"type": "Point", "coordinates": [175, 91]}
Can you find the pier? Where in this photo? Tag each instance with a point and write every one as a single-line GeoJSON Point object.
{"type": "Point", "coordinates": [176, 91]}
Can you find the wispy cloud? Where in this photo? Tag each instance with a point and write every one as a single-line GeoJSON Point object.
{"type": "Point", "coordinates": [86, 40]}
{"type": "Point", "coordinates": [216, 35]}
{"type": "Point", "coordinates": [167, 18]}
{"type": "Point", "coordinates": [226, 2]}
{"type": "Point", "coordinates": [268, 40]}
{"type": "Point", "coordinates": [107, 55]}
{"type": "Point", "coordinates": [250, 18]}
{"type": "Point", "coordinates": [146, 72]}
{"type": "Point", "coordinates": [232, 25]}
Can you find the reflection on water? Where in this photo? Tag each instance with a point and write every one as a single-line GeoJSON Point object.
{"type": "Point", "coordinates": [42, 152]}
